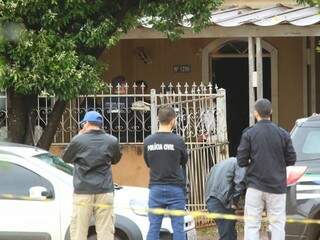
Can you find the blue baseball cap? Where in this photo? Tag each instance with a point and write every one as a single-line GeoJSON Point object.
{"type": "Point", "coordinates": [92, 116]}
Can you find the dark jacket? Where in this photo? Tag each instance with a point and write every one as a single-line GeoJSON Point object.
{"type": "Point", "coordinates": [266, 150]}
{"type": "Point", "coordinates": [92, 154]}
{"type": "Point", "coordinates": [225, 182]}
{"type": "Point", "coordinates": [165, 153]}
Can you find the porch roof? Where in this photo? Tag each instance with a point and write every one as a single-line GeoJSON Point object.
{"type": "Point", "coordinates": [277, 20]}
{"type": "Point", "coordinates": [278, 14]}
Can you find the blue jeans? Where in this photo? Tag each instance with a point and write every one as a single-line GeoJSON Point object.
{"type": "Point", "coordinates": [226, 228]}
{"type": "Point", "coordinates": [169, 197]}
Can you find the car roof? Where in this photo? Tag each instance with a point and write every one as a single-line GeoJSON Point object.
{"type": "Point", "coordinates": [312, 121]}
{"type": "Point", "coordinates": [20, 149]}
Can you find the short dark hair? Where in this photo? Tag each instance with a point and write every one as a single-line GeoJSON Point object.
{"type": "Point", "coordinates": [97, 124]}
{"type": "Point", "coordinates": [118, 80]}
{"type": "Point", "coordinates": [166, 114]}
{"type": "Point", "coordinates": [263, 107]}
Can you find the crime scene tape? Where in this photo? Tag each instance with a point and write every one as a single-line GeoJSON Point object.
{"type": "Point", "coordinates": [176, 213]}
{"type": "Point", "coordinates": [196, 214]}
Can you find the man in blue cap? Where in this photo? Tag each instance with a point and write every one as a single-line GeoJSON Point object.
{"type": "Point", "coordinates": [92, 152]}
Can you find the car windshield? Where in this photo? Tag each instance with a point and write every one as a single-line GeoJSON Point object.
{"type": "Point", "coordinates": [56, 162]}
{"type": "Point", "coordinates": [306, 141]}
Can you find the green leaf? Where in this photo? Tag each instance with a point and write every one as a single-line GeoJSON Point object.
{"type": "Point", "coordinates": [49, 45]}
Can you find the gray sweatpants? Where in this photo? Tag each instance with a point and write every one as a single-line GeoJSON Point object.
{"type": "Point", "coordinates": [276, 211]}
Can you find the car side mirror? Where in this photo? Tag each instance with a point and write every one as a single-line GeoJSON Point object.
{"type": "Point", "coordinates": [39, 193]}
{"type": "Point", "coordinates": [47, 194]}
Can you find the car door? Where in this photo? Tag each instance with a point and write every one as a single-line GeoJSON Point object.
{"type": "Point", "coordinates": [304, 197]}
{"type": "Point", "coordinates": [23, 215]}
{"type": "Point", "coordinates": [306, 141]}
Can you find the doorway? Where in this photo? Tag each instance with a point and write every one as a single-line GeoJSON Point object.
{"type": "Point", "coordinates": [230, 71]}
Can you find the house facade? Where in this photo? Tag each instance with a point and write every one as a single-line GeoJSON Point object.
{"type": "Point", "coordinates": [252, 49]}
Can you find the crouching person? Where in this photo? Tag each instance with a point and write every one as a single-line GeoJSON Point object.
{"type": "Point", "coordinates": [224, 186]}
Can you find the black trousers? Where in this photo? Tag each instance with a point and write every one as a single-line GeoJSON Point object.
{"type": "Point", "coordinates": [226, 228]}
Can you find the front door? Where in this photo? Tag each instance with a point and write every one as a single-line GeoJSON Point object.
{"type": "Point", "coordinates": [232, 74]}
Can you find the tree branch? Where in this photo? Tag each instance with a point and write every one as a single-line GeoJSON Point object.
{"type": "Point", "coordinates": [53, 123]}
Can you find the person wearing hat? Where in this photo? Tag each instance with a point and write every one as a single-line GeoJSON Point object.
{"type": "Point", "coordinates": [92, 152]}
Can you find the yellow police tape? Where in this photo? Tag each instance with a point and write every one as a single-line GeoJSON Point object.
{"type": "Point", "coordinates": [176, 213]}
{"type": "Point", "coordinates": [196, 214]}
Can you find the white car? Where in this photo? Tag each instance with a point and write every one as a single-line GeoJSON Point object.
{"type": "Point", "coordinates": [47, 182]}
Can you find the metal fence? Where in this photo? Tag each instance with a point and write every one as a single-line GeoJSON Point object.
{"type": "Point", "coordinates": [125, 110]}
{"type": "Point", "coordinates": [130, 114]}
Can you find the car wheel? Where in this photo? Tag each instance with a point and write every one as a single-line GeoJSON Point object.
{"type": "Point", "coordinates": [116, 237]}
{"type": "Point", "coordinates": [315, 235]}
{"type": "Point", "coordinates": [119, 235]}
{"type": "Point", "coordinates": [92, 237]}
{"type": "Point", "coordinates": [165, 236]}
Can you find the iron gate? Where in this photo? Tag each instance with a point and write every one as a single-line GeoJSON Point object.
{"type": "Point", "coordinates": [201, 121]}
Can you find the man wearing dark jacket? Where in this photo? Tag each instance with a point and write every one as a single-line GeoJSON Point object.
{"type": "Point", "coordinates": [165, 153]}
{"type": "Point", "coordinates": [265, 149]}
{"type": "Point", "coordinates": [224, 186]}
{"type": "Point", "coordinates": [92, 152]}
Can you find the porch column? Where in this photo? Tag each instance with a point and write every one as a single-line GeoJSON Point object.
{"type": "Point", "coordinates": [255, 74]}
{"type": "Point", "coordinates": [309, 76]}
{"type": "Point", "coordinates": [259, 68]}
{"type": "Point", "coordinates": [251, 54]}
{"type": "Point", "coordinates": [153, 111]}
{"type": "Point", "coordinates": [313, 87]}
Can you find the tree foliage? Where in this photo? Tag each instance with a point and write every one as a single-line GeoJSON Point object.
{"type": "Point", "coordinates": [54, 49]}
{"type": "Point", "coordinates": [310, 2]}
{"type": "Point", "coordinates": [53, 45]}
